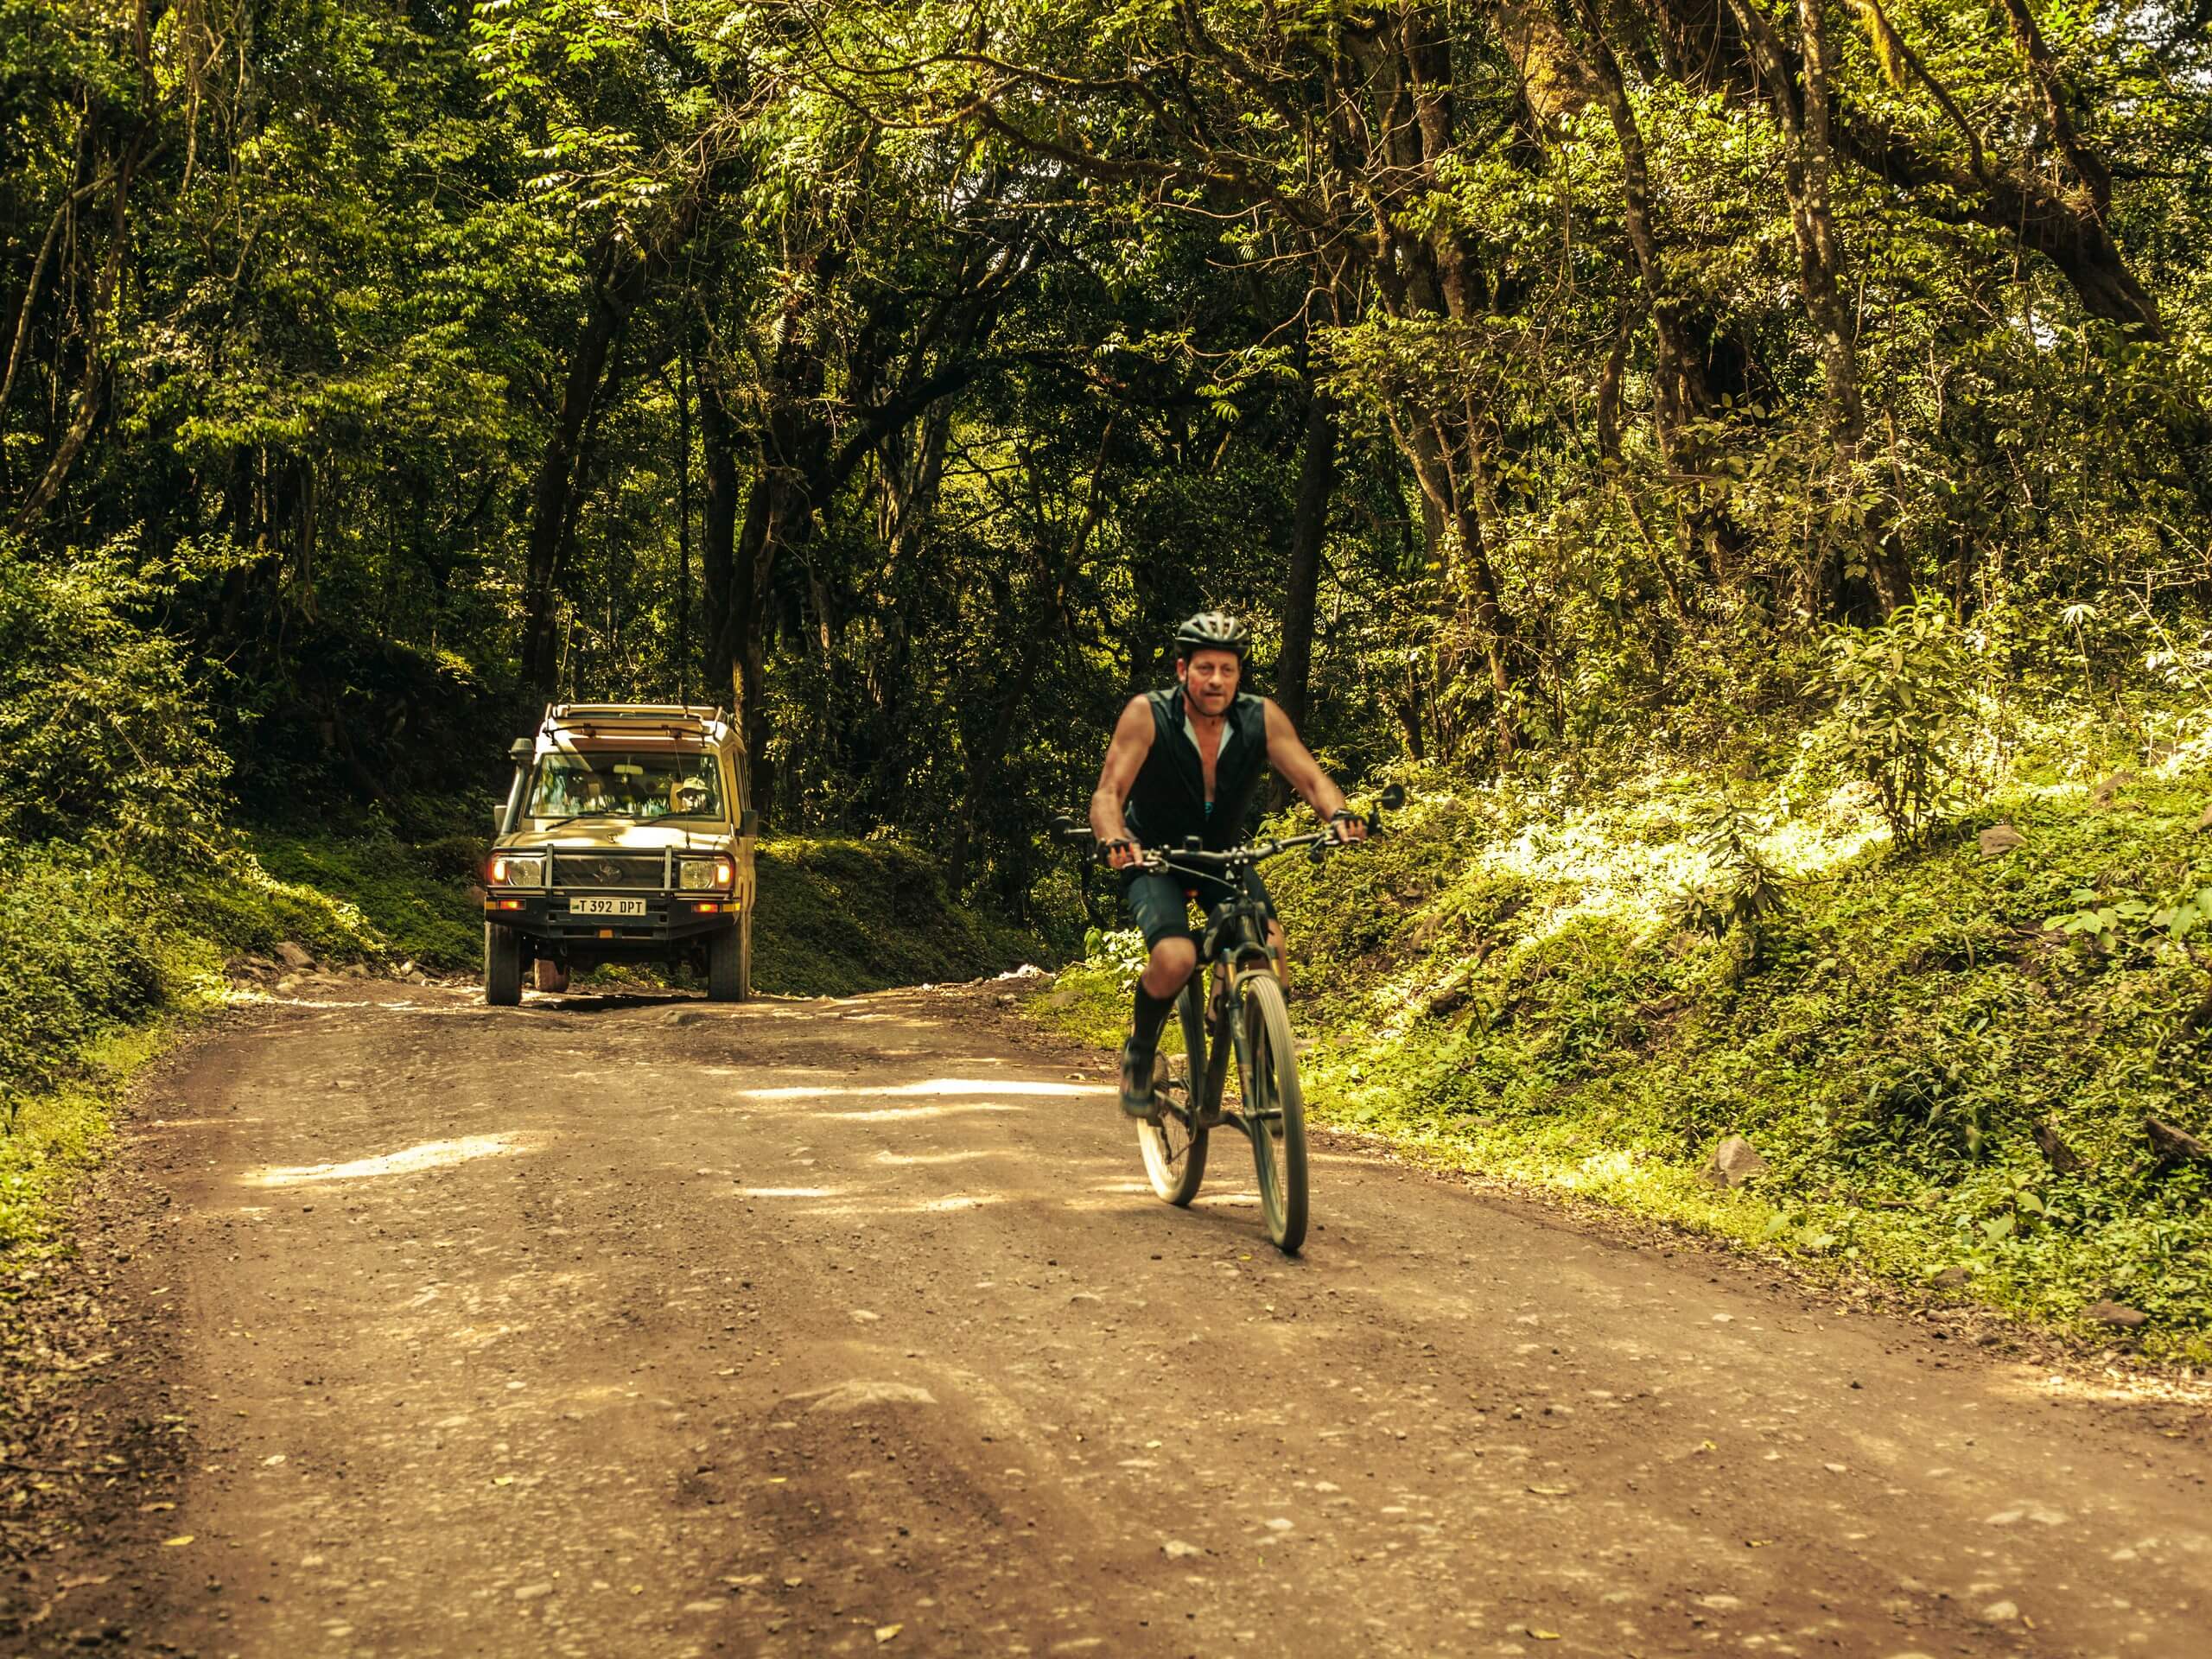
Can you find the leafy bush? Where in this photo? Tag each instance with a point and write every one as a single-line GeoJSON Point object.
{"type": "Point", "coordinates": [104, 733]}
{"type": "Point", "coordinates": [76, 959]}
{"type": "Point", "coordinates": [1740, 888]}
{"type": "Point", "coordinates": [1905, 715]}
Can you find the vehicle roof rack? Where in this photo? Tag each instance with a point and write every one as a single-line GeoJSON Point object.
{"type": "Point", "coordinates": [674, 719]}
{"type": "Point", "coordinates": [632, 711]}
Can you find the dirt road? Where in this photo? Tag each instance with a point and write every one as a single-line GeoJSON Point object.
{"type": "Point", "coordinates": [649, 1328]}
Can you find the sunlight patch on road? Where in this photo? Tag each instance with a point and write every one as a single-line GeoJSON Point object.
{"type": "Point", "coordinates": [789, 1191]}
{"type": "Point", "coordinates": [907, 1114]}
{"type": "Point", "coordinates": [408, 1161]}
{"type": "Point", "coordinates": [887, 1157]}
{"type": "Point", "coordinates": [858, 1206]}
{"type": "Point", "coordinates": [934, 1086]}
{"type": "Point", "coordinates": [755, 1071]}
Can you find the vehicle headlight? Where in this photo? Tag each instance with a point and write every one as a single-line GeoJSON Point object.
{"type": "Point", "coordinates": [705, 875]}
{"type": "Point", "coordinates": [517, 870]}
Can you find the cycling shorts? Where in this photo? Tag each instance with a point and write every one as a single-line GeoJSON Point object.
{"type": "Point", "coordinates": [1160, 905]}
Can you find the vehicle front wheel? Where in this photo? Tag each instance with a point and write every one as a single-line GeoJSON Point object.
{"type": "Point", "coordinates": [502, 966]}
{"type": "Point", "coordinates": [727, 965]}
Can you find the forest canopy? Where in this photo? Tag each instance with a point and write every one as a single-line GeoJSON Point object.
{"type": "Point", "coordinates": [1538, 374]}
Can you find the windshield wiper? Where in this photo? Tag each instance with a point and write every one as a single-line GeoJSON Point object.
{"type": "Point", "coordinates": [573, 816]}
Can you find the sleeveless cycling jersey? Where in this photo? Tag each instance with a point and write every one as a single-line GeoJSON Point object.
{"type": "Point", "coordinates": [1167, 804]}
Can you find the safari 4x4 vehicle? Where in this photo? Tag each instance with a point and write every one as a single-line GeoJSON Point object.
{"type": "Point", "coordinates": [625, 838]}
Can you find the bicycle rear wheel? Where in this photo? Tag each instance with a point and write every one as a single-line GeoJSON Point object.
{"type": "Point", "coordinates": [1274, 1109]}
{"type": "Point", "coordinates": [1174, 1147]}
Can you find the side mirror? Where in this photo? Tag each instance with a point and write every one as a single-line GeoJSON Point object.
{"type": "Point", "coordinates": [1393, 797]}
{"type": "Point", "coordinates": [748, 821]}
{"type": "Point", "coordinates": [499, 820]}
{"type": "Point", "coordinates": [1062, 824]}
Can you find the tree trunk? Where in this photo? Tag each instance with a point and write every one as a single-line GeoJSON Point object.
{"type": "Point", "coordinates": [718, 539]}
{"type": "Point", "coordinates": [1808, 177]}
{"type": "Point", "coordinates": [93, 383]}
{"type": "Point", "coordinates": [620, 277]}
{"type": "Point", "coordinates": [1309, 531]}
{"type": "Point", "coordinates": [683, 520]}
{"type": "Point", "coordinates": [779, 519]}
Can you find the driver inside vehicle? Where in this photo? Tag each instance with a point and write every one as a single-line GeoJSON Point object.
{"type": "Point", "coordinates": [589, 793]}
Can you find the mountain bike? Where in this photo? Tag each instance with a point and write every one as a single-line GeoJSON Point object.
{"type": "Point", "coordinates": [1243, 1018]}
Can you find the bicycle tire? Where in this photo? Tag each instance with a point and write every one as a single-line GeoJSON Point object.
{"type": "Point", "coordinates": [1274, 1109]}
{"type": "Point", "coordinates": [1174, 1147]}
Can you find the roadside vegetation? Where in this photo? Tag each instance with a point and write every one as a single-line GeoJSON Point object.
{"type": "Point", "coordinates": [1973, 1057]}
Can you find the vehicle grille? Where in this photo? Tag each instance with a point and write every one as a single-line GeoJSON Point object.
{"type": "Point", "coordinates": [596, 871]}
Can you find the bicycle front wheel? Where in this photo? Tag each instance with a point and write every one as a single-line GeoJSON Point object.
{"type": "Point", "coordinates": [1174, 1145]}
{"type": "Point", "coordinates": [1274, 1109]}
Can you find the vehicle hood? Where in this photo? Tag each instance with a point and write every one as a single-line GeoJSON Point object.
{"type": "Point", "coordinates": [605, 837]}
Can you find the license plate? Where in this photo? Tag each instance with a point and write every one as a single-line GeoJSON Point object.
{"type": "Point", "coordinates": [606, 906]}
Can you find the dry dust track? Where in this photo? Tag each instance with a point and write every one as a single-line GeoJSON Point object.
{"type": "Point", "coordinates": [629, 1328]}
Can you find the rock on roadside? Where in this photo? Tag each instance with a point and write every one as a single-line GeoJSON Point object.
{"type": "Point", "coordinates": [2116, 1314]}
{"type": "Point", "coordinates": [1734, 1161]}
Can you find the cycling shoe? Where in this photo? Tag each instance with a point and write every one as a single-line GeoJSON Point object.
{"type": "Point", "coordinates": [1136, 1081]}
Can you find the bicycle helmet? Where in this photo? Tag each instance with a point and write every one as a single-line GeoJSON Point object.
{"type": "Point", "coordinates": [1213, 631]}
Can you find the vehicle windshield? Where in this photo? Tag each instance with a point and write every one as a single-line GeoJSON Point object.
{"type": "Point", "coordinates": [625, 783]}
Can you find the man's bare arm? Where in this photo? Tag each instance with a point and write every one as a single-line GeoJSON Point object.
{"type": "Point", "coordinates": [1288, 753]}
{"type": "Point", "coordinates": [1125, 757]}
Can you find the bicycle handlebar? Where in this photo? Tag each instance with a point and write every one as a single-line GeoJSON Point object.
{"type": "Point", "coordinates": [1194, 860]}
{"type": "Point", "coordinates": [1190, 860]}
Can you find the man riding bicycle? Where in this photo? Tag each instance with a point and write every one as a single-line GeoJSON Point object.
{"type": "Point", "coordinates": [1187, 762]}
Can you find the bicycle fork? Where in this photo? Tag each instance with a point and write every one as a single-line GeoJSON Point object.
{"type": "Point", "coordinates": [1225, 1039]}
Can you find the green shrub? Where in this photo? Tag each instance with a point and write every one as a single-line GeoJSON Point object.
{"type": "Point", "coordinates": [104, 733]}
{"type": "Point", "coordinates": [77, 959]}
{"type": "Point", "coordinates": [1905, 715]}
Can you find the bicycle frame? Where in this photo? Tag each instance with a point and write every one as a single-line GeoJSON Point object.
{"type": "Point", "coordinates": [1233, 946]}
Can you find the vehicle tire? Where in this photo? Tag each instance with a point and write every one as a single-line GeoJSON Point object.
{"type": "Point", "coordinates": [502, 966]}
{"type": "Point", "coordinates": [726, 964]}
{"type": "Point", "coordinates": [1175, 1148]}
{"type": "Point", "coordinates": [552, 976]}
{"type": "Point", "coordinates": [1274, 1109]}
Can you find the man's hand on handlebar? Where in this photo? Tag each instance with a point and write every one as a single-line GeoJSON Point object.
{"type": "Point", "coordinates": [1122, 855]}
{"type": "Point", "coordinates": [1347, 826]}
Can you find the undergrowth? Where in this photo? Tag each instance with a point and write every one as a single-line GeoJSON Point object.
{"type": "Point", "coordinates": [98, 955]}
{"type": "Point", "coordinates": [839, 917]}
{"type": "Point", "coordinates": [1946, 1053]}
